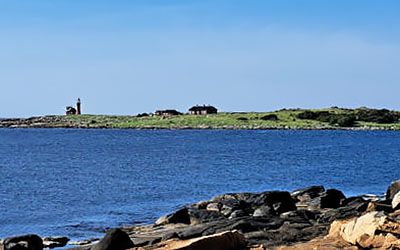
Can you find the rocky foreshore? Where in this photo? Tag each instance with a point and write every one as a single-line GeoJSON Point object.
{"type": "Point", "coordinates": [309, 218]}
{"type": "Point", "coordinates": [115, 122]}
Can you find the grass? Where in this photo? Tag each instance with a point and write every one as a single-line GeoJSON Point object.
{"type": "Point", "coordinates": [287, 119]}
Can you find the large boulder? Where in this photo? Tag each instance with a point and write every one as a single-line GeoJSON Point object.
{"type": "Point", "coordinates": [222, 241]}
{"type": "Point", "coordinates": [280, 201]}
{"type": "Point", "coordinates": [24, 242]}
{"type": "Point", "coordinates": [372, 230]}
{"type": "Point", "coordinates": [332, 198]}
{"type": "Point", "coordinates": [393, 189]}
{"type": "Point", "coordinates": [115, 239]}
{"type": "Point", "coordinates": [367, 224]}
{"type": "Point", "coordinates": [180, 216]}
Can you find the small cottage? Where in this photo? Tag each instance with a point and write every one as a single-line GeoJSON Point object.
{"type": "Point", "coordinates": [167, 112]}
{"type": "Point", "coordinates": [202, 110]}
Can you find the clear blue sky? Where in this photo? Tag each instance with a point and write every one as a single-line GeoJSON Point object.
{"type": "Point", "coordinates": [131, 56]}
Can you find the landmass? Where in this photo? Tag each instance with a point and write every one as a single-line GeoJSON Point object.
{"type": "Point", "coordinates": [308, 218]}
{"type": "Point", "coordinates": [330, 118]}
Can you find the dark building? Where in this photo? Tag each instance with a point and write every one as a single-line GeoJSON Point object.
{"type": "Point", "coordinates": [202, 110]}
{"type": "Point", "coordinates": [70, 110]}
{"type": "Point", "coordinates": [167, 112]}
{"type": "Point", "coordinates": [74, 111]}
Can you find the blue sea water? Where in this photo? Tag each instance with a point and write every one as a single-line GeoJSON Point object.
{"type": "Point", "coordinates": [77, 183]}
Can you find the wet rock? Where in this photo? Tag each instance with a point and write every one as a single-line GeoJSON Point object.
{"type": "Point", "coordinates": [52, 242]}
{"type": "Point", "coordinates": [180, 216]}
{"type": "Point", "coordinates": [393, 189]}
{"type": "Point", "coordinates": [28, 242]}
{"type": "Point", "coordinates": [115, 239]}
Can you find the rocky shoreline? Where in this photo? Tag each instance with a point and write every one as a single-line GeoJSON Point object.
{"type": "Point", "coordinates": [309, 218]}
{"type": "Point", "coordinates": [63, 122]}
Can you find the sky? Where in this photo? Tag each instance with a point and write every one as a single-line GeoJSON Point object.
{"type": "Point", "coordinates": [134, 56]}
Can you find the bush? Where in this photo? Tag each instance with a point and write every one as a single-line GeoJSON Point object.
{"type": "Point", "coordinates": [242, 119]}
{"type": "Point", "coordinates": [322, 116]}
{"type": "Point", "coordinates": [343, 120]}
{"type": "Point", "coordinates": [377, 115]}
{"type": "Point", "coordinates": [271, 117]}
{"type": "Point", "coordinates": [142, 115]}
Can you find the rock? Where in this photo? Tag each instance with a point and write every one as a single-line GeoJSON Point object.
{"type": "Point", "coordinates": [52, 242]}
{"type": "Point", "coordinates": [213, 207]}
{"type": "Point", "coordinates": [396, 201]}
{"type": "Point", "coordinates": [379, 206]}
{"type": "Point", "coordinates": [263, 211]}
{"type": "Point", "coordinates": [393, 189]}
{"type": "Point", "coordinates": [28, 242]}
{"type": "Point", "coordinates": [221, 241]}
{"type": "Point", "coordinates": [198, 216]}
{"type": "Point", "coordinates": [332, 198]}
{"type": "Point", "coordinates": [282, 201]}
{"type": "Point", "coordinates": [237, 214]}
{"type": "Point", "coordinates": [367, 224]}
{"type": "Point", "coordinates": [115, 239]}
{"type": "Point", "coordinates": [307, 194]}
{"type": "Point", "coordinates": [180, 216]}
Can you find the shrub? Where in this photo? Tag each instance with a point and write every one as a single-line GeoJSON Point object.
{"type": "Point", "coordinates": [343, 120]}
{"type": "Point", "coordinates": [242, 119]}
{"type": "Point", "coordinates": [271, 117]}
{"type": "Point", "coordinates": [377, 115]}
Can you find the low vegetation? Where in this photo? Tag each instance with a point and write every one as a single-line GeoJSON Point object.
{"type": "Point", "coordinates": [332, 118]}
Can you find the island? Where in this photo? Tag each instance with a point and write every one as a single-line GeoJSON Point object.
{"type": "Point", "coordinates": [318, 119]}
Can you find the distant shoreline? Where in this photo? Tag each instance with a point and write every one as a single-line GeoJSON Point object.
{"type": "Point", "coordinates": [286, 119]}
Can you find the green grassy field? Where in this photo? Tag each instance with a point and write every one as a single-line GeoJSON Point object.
{"type": "Point", "coordinates": [287, 119]}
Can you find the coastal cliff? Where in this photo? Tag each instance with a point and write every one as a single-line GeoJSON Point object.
{"type": "Point", "coordinates": [309, 218]}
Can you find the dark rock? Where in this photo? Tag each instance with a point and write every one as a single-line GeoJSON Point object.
{"type": "Point", "coordinates": [52, 242]}
{"type": "Point", "coordinates": [237, 214]}
{"type": "Point", "coordinates": [194, 231]}
{"type": "Point", "coordinates": [115, 239]}
{"type": "Point", "coordinates": [250, 224]}
{"type": "Point", "coordinates": [264, 211]}
{"type": "Point", "coordinates": [393, 189]}
{"type": "Point", "coordinates": [180, 216]}
{"type": "Point", "coordinates": [198, 216]}
{"type": "Point", "coordinates": [307, 194]}
{"type": "Point", "coordinates": [230, 205]}
{"type": "Point", "coordinates": [332, 198]}
{"type": "Point", "coordinates": [282, 200]}
{"type": "Point", "coordinates": [301, 213]}
{"type": "Point", "coordinates": [168, 236]}
{"type": "Point", "coordinates": [24, 242]}
{"type": "Point", "coordinates": [145, 241]}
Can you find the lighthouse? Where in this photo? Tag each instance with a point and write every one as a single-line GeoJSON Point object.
{"type": "Point", "coordinates": [78, 106]}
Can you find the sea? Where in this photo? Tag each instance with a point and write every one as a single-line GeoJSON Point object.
{"type": "Point", "coordinates": [78, 183]}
